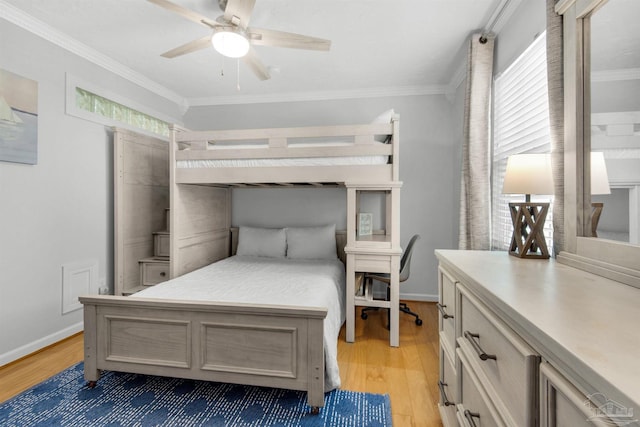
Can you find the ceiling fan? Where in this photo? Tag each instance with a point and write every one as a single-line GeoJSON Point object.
{"type": "Point", "coordinates": [233, 37]}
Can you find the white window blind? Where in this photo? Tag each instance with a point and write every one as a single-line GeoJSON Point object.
{"type": "Point", "coordinates": [521, 125]}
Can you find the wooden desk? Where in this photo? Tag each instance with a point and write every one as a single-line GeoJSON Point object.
{"type": "Point", "coordinates": [372, 260]}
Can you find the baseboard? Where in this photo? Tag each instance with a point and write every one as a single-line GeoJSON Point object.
{"type": "Point", "coordinates": [34, 346]}
{"type": "Point", "coordinates": [419, 297]}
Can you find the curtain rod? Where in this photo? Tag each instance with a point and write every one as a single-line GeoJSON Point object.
{"type": "Point", "coordinates": [497, 15]}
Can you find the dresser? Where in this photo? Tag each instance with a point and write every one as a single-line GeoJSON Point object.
{"type": "Point", "coordinates": [528, 342]}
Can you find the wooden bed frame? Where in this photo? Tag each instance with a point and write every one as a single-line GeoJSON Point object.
{"type": "Point", "coordinates": [263, 345]}
{"type": "Point", "coordinates": [235, 343]}
{"type": "Point", "coordinates": [254, 344]}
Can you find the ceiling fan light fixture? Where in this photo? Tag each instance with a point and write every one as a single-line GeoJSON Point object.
{"type": "Point", "coordinates": [232, 43]}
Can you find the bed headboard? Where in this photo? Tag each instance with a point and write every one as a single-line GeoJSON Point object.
{"type": "Point", "coordinates": [341, 242]}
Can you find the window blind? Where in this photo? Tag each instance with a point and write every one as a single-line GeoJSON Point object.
{"type": "Point", "coordinates": [521, 125]}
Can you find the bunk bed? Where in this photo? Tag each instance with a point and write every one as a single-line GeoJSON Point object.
{"type": "Point", "coordinates": [179, 337]}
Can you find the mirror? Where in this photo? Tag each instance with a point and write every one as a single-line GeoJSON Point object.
{"type": "Point", "coordinates": [615, 120]}
{"type": "Point", "coordinates": [609, 258]}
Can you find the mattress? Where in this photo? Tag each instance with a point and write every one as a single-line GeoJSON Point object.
{"type": "Point", "coordinates": [278, 162]}
{"type": "Point", "coordinates": [278, 281]}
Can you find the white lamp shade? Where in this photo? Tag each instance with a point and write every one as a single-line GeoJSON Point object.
{"type": "Point", "coordinates": [528, 174]}
{"type": "Point", "coordinates": [599, 176]}
{"type": "Point", "coordinates": [232, 44]}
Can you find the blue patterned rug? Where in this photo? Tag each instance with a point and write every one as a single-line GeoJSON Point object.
{"type": "Point", "coordinates": [122, 399]}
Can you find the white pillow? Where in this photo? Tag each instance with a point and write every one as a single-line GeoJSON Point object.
{"type": "Point", "coordinates": [312, 242]}
{"type": "Point", "coordinates": [383, 118]}
{"type": "Point", "coordinates": [266, 242]}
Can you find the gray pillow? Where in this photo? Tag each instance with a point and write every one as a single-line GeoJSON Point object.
{"type": "Point", "coordinates": [265, 242]}
{"type": "Point", "coordinates": [312, 242]}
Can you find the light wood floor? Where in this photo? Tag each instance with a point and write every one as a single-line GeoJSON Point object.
{"type": "Point", "coordinates": [409, 373]}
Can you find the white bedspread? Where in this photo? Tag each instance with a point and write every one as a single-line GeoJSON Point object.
{"type": "Point", "coordinates": [279, 281]}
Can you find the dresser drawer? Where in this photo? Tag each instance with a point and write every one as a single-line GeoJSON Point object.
{"type": "Point", "coordinates": [448, 386]}
{"type": "Point", "coordinates": [373, 263]}
{"type": "Point", "coordinates": [475, 407]}
{"type": "Point", "coordinates": [447, 308]}
{"type": "Point", "coordinates": [563, 405]}
{"type": "Point", "coordinates": [504, 363]}
{"type": "Point", "coordinates": [153, 271]}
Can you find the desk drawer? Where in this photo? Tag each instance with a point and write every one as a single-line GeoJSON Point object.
{"type": "Point", "coordinates": [447, 308]}
{"type": "Point", "coordinates": [503, 362]}
{"type": "Point", "coordinates": [475, 408]}
{"type": "Point", "coordinates": [373, 263]}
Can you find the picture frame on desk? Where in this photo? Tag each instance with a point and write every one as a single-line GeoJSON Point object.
{"type": "Point", "coordinates": [365, 224]}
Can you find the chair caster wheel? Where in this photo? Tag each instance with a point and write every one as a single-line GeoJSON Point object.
{"type": "Point", "coordinates": [364, 316]}
{"type": "Point", "coordinates": [419, 322]}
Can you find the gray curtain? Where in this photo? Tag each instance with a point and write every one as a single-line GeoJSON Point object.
{"type": "Point", "coordinates": [475, 191]}
{"type": "Point", "coordinates": [555, 77]}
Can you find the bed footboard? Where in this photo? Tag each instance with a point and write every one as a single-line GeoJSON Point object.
{"type": "Point", "coordinates": [262, 345]}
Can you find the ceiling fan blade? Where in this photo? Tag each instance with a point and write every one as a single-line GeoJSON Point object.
{"type": "Point", "coordinates": [192, 46]}
{"type": "Point", "coordinates": [256, 65]}
{"type": "Point", "coordinates": [241, 9]}
{"type": "Point", "coordinates": [262, 37]}
{"type": "Point", "coordinates": [184, 12]}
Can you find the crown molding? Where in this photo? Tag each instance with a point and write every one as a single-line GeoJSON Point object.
{"type": "Point", "coordinates": [41, 29]}
{"type": "Point", "coordinates": [321, 95]}
{"type": "Point", "coordinates": [615, 75]}
{"type": "Point", "coordinates": [501, 15]}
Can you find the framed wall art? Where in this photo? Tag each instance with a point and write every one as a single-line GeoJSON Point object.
{"type": "Point", "coordinates": [18, 119]}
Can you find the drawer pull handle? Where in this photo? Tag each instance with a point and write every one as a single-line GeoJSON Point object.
{"type": "Point", "coordinates": [470, 416]}
{"type": "Point", "coordinates": [444, 313]}
{"type": "Point", "coordinates": [481, 353]}
{"type": "Point", "coordinates": [443, 394]}
{"type": "Point", "coordinates": [162, 274]}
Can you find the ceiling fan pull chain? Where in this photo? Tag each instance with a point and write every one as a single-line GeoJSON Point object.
{"type": "Point", "coordinates": [238, 75]}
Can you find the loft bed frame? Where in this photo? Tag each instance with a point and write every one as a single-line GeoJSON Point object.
{"type": "Point", "coordinates": [199, 340]}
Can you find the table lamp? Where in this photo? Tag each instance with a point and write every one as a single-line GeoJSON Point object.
{"type": "Point", "coordinates": [599, 185]}
{"type": "Point", "coordinates": [528, 174]}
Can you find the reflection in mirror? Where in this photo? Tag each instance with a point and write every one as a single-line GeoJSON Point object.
{"type": "Point", "coordinates": [615, 118]}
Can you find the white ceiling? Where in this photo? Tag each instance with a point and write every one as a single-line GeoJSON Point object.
{"type": "Point", "coordinates": [378, 46]}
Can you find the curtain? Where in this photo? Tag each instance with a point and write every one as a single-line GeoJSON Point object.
{"type": "Point", "coordinates": [475, 188]}
{"type": "Point", "coordinates": [555, 82]}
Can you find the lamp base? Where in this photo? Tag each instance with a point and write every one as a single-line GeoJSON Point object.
{"type": "Point", "coordinates": [528, 239]}
{"type": "Point", "coordinates": [595, 217]}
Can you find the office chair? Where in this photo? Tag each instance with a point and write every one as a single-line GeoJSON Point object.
{"type": "Point", "coordinates": [405, 269]}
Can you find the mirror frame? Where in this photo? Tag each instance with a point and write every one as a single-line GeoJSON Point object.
{"type": "Point", "coordinates": [615, 260]}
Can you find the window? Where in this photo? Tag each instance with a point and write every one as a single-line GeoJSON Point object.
{"type": "Point", "coordinates": [97, 104]}
{"type": "Point", "coordinates": [521, 125]}
{"type": "Point", "coordinates": [91, 102]}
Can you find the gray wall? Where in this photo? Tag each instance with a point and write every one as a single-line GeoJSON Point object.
{"type": "Point", "coordinates": [60, 210]}
{"type": "Point", "coordinates": [428, 169]}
